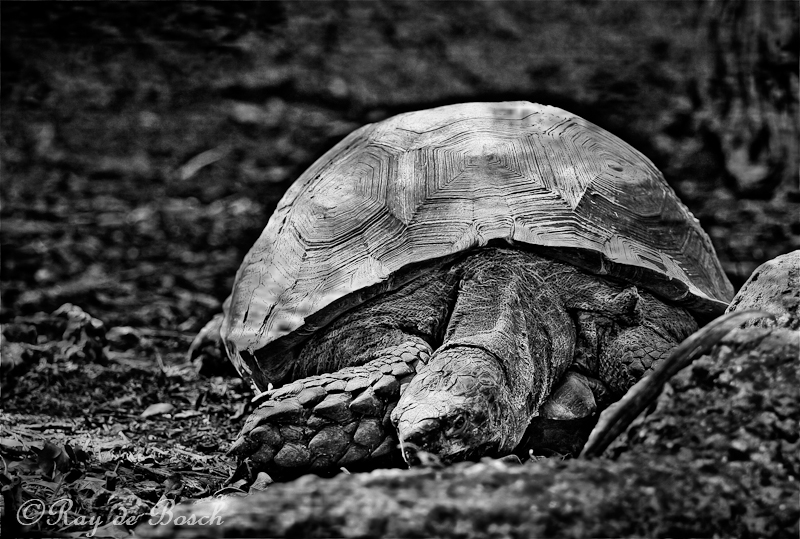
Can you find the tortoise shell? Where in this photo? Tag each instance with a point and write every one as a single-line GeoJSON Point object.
{"type": "Point", "coordinates": [396, 195]}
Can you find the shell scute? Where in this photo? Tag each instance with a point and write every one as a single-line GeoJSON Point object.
{"type": "Point", "coordinates": [431, 184]}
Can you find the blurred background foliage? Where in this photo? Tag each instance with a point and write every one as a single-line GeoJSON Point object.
{"type": "Point", "coordinates": [144, 145]}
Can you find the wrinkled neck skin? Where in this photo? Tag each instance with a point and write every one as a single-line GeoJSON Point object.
{"type": "Point", "coordinates": [462, 406]}
{"type": "Point", "coordinates": [508, 339]}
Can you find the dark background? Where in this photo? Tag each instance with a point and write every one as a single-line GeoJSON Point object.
{"type": "Point", "coordinates": [144, 145]}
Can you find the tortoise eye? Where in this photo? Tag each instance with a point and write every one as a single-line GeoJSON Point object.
{"type": "Point", "coordinates": [459, 422]}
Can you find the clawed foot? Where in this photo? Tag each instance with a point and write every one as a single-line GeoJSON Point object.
{"type": "Point", "coordinates": [323, 423]}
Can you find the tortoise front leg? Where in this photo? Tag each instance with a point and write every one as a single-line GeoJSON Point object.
{"type": "Point", "coordinates": [622, 337]}
{"type": "Point", "coordinates": [325, 422]}
{"type": "Point", "coordinates": [348, 378]}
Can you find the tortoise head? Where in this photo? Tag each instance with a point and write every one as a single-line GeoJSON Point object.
{"type": "Point", "coordinates": [458, 407]}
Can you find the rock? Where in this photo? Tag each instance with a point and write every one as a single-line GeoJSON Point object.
{"type": "Point", "coordinates": [774, 287]}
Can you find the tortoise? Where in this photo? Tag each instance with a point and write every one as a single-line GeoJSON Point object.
{"type": "Point", "coordinates": [445, 278]}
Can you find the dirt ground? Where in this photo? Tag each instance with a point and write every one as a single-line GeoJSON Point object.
{"type": "Point", "coordinates": [144, 147]}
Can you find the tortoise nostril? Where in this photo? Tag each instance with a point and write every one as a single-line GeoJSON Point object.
{"type": "Point", "coordinates": [422, 433]}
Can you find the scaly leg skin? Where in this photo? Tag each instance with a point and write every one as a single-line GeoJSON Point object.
{"type": "Point", "coordinates": [348, 378]}
{"type": "Point", "coordinates": [623, 335]}
{"type": "Point", "coordinates": [636, 351]}
{"type": "Point", "coordinates": [419, 308]}
{"type": "Point", "coordinates": [623, 332]}
{"type": "Point", "coordinates": [507, 342]}
{"type": "Point", "coordinates": [325, 422]}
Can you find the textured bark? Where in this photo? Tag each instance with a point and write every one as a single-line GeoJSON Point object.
{"type": "Point", "coordinates": [750, 92]}
{"type": "Point", "coordinates": [745, 97]}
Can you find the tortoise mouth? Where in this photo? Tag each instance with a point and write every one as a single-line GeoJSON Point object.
{"type": "Point", "coordinates": [421, 456]}
{"type": "Point", "coordinates": [474, 454]}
